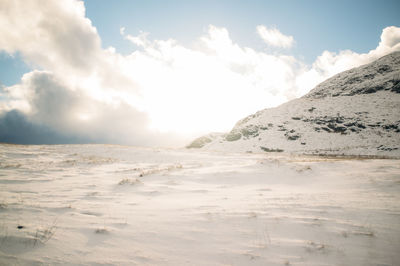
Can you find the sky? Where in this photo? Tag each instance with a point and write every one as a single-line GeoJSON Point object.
{"type": "Point", "coordinates": [160, 73]}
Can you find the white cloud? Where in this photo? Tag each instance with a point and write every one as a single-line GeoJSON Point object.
{"type": "Point", "coordinates": [274, 37]}
{"type": "Point", "coordinates": [86, 91]}
{"type": "Point", "coordinates": [214, 84]}
{"type": "Point", "coordinates": [53, 35]}
{"type": "Point", "coordinates": [390, 39]}
{"type": "Point", "coordinates": [331, 63]}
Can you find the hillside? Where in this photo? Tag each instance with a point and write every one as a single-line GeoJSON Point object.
{"type": "Point", "coordinates": [355, 112]}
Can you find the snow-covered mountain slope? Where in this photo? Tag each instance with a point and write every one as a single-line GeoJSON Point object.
{"type": "Point", "coordinates": [356, 112]}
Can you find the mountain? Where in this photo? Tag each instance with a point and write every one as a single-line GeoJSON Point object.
{"type": "Point", "coordinates": [356, 112]}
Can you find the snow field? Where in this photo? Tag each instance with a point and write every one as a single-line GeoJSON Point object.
{"type": "Point", "coordinates": [118, 205]}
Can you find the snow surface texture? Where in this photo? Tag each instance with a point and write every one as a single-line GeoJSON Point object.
{"type": "Point", "coordinates": [355, 112]}
{"type": "Point", "coordinates": [116, 205]}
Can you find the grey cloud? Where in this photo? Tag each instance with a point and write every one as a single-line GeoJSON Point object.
{"type": "Point", "coordinates": [16, 128]}
{"type": "Point", "coordinates": [54, 118]}
{"type": "Point", "coordinates": [51, 102]}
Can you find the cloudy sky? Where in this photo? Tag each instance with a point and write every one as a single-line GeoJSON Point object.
{"type": "Point", "coordinates": [159, 73]}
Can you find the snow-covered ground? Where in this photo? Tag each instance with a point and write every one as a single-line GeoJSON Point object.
{"type": "Point", "coordinates": [118, 205]}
